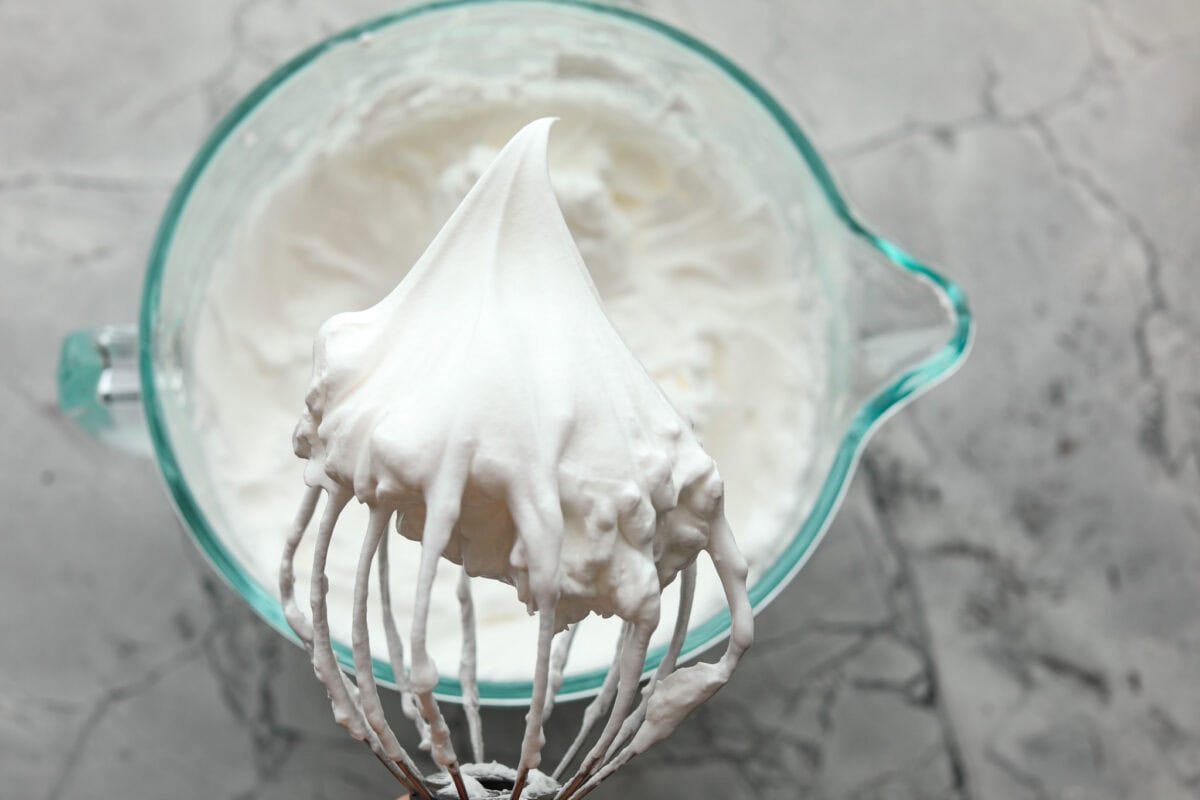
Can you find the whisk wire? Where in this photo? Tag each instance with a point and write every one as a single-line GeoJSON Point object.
{"type": "Point", "coordinates": [440, 518]}
{"type": "Point", "coordinates": [687, 593]}
{"type": "Point", "coordinates": [558, 663]}
{"type": "Point", "coordinates": [467, 666]}
{"type": "Point", "coordinates": [360, 635]}
{"type": "Point", "coordinates": [395, 647]}
{"type": "Point", "coordinates": [595, 710]}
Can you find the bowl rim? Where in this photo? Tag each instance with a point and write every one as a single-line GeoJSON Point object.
{"type": "Point", "coordinates": [886, 401]}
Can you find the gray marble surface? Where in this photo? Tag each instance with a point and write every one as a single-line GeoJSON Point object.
{"type": "Point", "coordinates": [1007, 605]}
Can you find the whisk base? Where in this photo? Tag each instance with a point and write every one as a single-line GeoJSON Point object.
{"type": "Point", "coordinates": [493, 781]}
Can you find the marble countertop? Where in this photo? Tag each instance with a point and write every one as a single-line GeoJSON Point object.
{"type": "Point", "coordinates": [1006, 606]}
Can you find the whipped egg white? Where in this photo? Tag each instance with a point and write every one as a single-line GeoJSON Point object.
{"type": "Point", "coordinates": [695, 267]}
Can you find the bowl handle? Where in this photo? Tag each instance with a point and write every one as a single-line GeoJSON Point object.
{"type": "Point", "coordinates": [98, 386]}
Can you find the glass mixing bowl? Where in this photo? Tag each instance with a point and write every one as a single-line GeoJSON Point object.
{"type": "Point", "coordinates": [892, 326]}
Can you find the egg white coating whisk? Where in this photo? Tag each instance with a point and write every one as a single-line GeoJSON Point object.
{"type": "Point", "coordinates": [629, 729]}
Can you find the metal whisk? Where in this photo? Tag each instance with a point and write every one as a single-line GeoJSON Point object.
{"type": "Point", "coordinates": [628, 731]}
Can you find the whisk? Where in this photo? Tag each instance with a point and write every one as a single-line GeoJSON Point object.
{"type": "Point", "coordinates": [523, 441]}
{"type": "Point", "coordinates": [628, 731]}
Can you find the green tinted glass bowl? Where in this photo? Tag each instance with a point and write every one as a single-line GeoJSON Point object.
{"type": "Point", "coordinates": [896, 327]}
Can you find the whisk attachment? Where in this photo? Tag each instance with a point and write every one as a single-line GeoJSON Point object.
{"type": "Point", "coordinates": [629, 729]}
